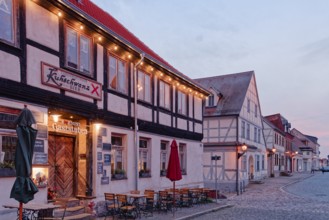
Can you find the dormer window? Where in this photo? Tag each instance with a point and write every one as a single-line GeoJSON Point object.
{"type": "Point", "coordinates": [211, 101]}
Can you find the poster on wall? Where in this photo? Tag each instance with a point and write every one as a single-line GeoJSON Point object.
{"type": "Point", "coordinates": [107, 146]}
{"type": "Point", "coordinates": [40, 158]}
{"type": "Point", "coordinates": [107, 159]}
{"type": "Point", "coordinates": [39, 146]}
{"type": "Point", "coordinates": [105, 180]}
{"type": "Point", "coordinates": [99, 156]}
{"type": "Point", "coordinates": [99, 168]}
{"type": "Point", "coordinates": [42, 131]}
{"type": "Point", "coordinates": [99, 141]}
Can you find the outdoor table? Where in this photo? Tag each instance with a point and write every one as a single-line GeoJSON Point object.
{"type": "Point", "coordinates": [34, 211]}
{"type": "Point", "coordinates": [135, 200]}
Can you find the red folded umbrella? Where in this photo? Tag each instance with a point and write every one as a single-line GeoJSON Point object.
{"type": "Point", "coordinates": [174, 172]}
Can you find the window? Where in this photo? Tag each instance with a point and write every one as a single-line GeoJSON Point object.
{"type": "Point", "coordinates": [144, 158]}
{"type": "Point", "coordinates": [257, 163]}
{"type": "Point", "coordinates": [78, 51]}
{"type": "Point", "coordinates": [258, 139]}
{"type": "Point", "coordinates": [8, 149]}
{"type": "Point", "coordinates": [163, 157]}
{"type": "Point", "coordinates": [243, 129]}
{"type": "Point", "coordinates": [248, 105]}
{"type": "Point", "coordinates": [255, 134]}
{"type": "Point", "coordinates": [244, 163]}
{"type": "Point", "coordinates": [182, 157]}
{"type": "Point", "coordinates": [256, 110]}
{"type": "Point", "coordinates": [118, 155]}
{"type": "Point", "coordinates": [7, 24]}
{"type": "Point", "coordinates": [276, 160]}
{"type": "Point", "coordinates": [211, 100]}
{"type": "Point", "coordinates": [117, 75]}
{"type": "Point", "coordinates": [144, 86]}
{"type": "Point", "coordinates": [263, 162]}
{"type": "Point", "coordinates": [181, 103]}
{"type": "Point", "coordinates": [248, 131]}
{"type": "Point", "coordinates": [164, 95]}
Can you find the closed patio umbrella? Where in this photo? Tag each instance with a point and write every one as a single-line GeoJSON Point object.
{"type": "Point", "coordinates": [24, 189]}
{"type": "Point", "coordinates": [174, 172]}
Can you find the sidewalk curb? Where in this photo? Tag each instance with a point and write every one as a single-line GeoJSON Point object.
{"type": "Point", "coordinates": [204, 212]}
{"type": "Point", "coordinates": [282, 188]}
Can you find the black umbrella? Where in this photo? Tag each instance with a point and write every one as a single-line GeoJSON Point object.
{"type": "Point", "coordinates": [24, 189]}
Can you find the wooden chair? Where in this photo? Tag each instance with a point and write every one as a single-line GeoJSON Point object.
{"type": "Point", "coordinates": [125, 209]}
{"type": "Point", "coordinates": [135, 192]}
{"type": "Point", "coordinates": [111, 205]}
{"type": "Point", "coordinates": [185, 197]}
{"type": "Point", "coordinates": [164, 201]}
{"type": "Point", "coordinates": [148, 207]}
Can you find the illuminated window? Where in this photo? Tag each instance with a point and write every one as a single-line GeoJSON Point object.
{"type": "Point", "coordinates": [181, 103]}
{"type": "Point", "coordinates": [118, 155]}
{"type": "Point", "coordinates": [163, 157]}
{"type": "Point", "coordinates": [144, 158]}
{"type": "Point", "coordinates": [7, 24]}
{"type": "Point", "coordinates": [182, 157]}
{"type": "Point", "coordinates": [164, 94]}
{"type": "Point", "coordinates": [144, 86]}
{"type": "Point", "coordinates": [78, 51]}
{"type": "Point", "coordinates": [118, 75]}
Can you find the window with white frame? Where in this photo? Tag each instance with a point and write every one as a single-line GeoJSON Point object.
{"type": "Point", "coordinates": [255, 134]}
{"type": "Point", "coordinates": [182, 157]}
{"type": "Point", "coordinates": [276, 160]}
{"type": "Point", "coordinates": [181, 103]}
{"type": "Point", "coordinates": [248, 131]}
{"type": "Point", "coordinates": [78, 51]}
{"type": "Point", "coordinates": [211, 101]}
{"type": "Point", "coordinates": [243, 129]}
{"type": "Point", "coordinates": [144, 157]}
{"type": "Point", "coordinates": [256, 110]}
{"type": "Point", "coordinates": [163, 157]}
{"type": "Point", "coordinates": [144, 86]}
{"type": "Point", "coordinates": [7, 20]}
{"type": "Point", "coordinates": [244, 163]}
{"type": "Point", "coordinates": [257, 163]}
{"type": "Point", "coordinates": [118, 78]}
{"type": "Point", "coordinates": [164, 95]}
{"type": "Point", "coordinates": [248, 105]}
{"type": "Point", "coordinates": [263, 162]}
{"type": "Point", "coordinates": [118, 155]}
{"type": "Point", "coordinates": [258, 138]}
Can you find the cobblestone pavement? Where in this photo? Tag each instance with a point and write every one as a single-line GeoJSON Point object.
{"type": "Point", "coordinates": [302, 196]}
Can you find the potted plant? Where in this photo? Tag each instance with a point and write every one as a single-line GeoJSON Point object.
{"type": "Point", "coordinates": [144, 173]}
{"type": "Point", "coordinates": [119, 174]}
{"type": "Point", "coordinates": [7, 169]}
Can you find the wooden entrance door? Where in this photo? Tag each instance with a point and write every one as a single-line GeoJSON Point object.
{"type": "Point", "coordinates": [61, 161]}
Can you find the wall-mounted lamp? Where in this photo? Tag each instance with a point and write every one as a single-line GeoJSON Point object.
{"type": "Point", "coordinates": [55, 117]}
{"type": "Point", "coordinates": [244, 150]}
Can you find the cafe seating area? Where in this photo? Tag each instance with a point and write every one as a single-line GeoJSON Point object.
{"type": "Point", "coordinates": [136, 204]}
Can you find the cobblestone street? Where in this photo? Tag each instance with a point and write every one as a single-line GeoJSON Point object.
{"type": "Point", "coordinates": [302, 196]}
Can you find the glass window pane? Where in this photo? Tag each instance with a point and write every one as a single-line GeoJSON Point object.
{"type": "Point", "coordinates": [140, 85]}
{"type": "Point", "coordinates": [71, 50]}
{"type": "Point", "coordinates": [6, 20]}
{"type": "Point", "coordinates": [113, 74]}
{"type": "Point", "coordinates": [162, 94]}
{"type": "Point", "coordinates": [85, 54]}
{"type": "Point", "coordinates": [147, 88]}
{"type": "Point", "coordinates": [122, 77]}
{"type": "Point", "coordinates": [167, 96]}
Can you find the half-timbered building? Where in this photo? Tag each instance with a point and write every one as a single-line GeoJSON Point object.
{"type": "Point", "coordinates": [232, 118]}
{"type": "Point", "coordinates": [107, 107]}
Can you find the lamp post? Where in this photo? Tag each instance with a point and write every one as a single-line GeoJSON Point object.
{"type": "Point", "coordinates": [238, 155]}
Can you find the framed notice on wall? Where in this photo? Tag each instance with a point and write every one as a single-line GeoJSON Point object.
{"type": "Point", "coordinates": [99, 168]}
{"type": "Point", "coordinates": [99, 156]}
{"type": "Point", "coordinates": [107, 159]}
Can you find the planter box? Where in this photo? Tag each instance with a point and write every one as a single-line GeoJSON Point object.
{"type": "Point", "coordinates": [144, 175]}
{"type": "Point", "coordinates": [118, 176]}
{"type": "Point", "coordinates": [7, 172]}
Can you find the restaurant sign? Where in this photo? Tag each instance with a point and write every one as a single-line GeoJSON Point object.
{"type": "Point", "coordinates": [62, 79]}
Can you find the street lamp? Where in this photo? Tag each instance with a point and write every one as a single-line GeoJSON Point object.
{"type": "Point", "coordinates": [238, 155]}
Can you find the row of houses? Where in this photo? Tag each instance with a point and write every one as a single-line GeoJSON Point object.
{"type": "Point", "coordinates": [107, 108]}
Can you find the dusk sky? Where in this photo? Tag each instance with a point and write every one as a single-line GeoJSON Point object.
{"type": "Point", "coordinates": [286, 43]}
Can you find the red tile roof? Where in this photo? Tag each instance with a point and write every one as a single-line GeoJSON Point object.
{"type": "Point", "coordinates": [110, 22]}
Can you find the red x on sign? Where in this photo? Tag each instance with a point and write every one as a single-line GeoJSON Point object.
{"type": "Point", "coordinates": [95, 89]}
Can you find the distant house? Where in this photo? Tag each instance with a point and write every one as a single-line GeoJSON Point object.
{"type": "Point", "coordinates": [232, 117]}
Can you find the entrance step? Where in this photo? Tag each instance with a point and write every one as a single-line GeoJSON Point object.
{"type": "Point", "coordinates": [73, 209]}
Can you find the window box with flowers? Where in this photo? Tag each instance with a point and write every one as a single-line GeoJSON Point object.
{"type": "Point", "coordinates": [163, 172]}
{"type": "Point", "coordinates": [119, 174]}
{"type": "Point", "coordinates": [7, 169]}
{"type": "Point", "coordinates": [145, 173]}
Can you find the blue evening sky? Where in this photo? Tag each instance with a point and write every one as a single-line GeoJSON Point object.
{"type": "Point", "coordinates": [286, 43]}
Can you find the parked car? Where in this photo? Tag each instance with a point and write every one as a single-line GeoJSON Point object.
{"type": "Point", "coordinates": [325, 169]}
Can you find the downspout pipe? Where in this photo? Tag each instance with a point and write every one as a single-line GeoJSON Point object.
{"type": "Point", "coordinates": [135, 120]}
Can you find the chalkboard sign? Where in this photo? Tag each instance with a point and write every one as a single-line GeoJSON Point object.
{"type": "Point", "coordinates": [40, 158]}
{"type": "Point", "coordinates": [42, 131]}
{"type": "Point", "coordinates": [99, 168]}
{"type": "Point", "coordinates": [105, 180]}
{"type": "Point", "coordinates": [39, 146]}
{"type": "Point", "coordinates": [107, 146]}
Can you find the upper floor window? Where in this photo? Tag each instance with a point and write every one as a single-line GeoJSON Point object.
{"type": "Point", "coordinates": [256, 110]}
{"type": "Point", "coordinates": [211, 100]}
{"type": "Point", "coordinates": [248, 131]}
{"type": "Point", "coordinates": [118, 75]}
{"type": "Point", "coordinates": [248, 105]}
{"type": "Point", "coordinates": [78, 51]}
{"type": "Point", "coordinates": [258, 139]}
{"type": "Point", "coordinates": [243, 129]}
{"type": "Point", "coordinates": [181, 103]}
{"type": "Point", "coordinates": [164, 94]}
{"type": "Point", "coordinates": [144, 86]}
{"type": "Point", "coordinates": [7, 24]}
{"type": "Point", "coordinates": [255, 134]}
